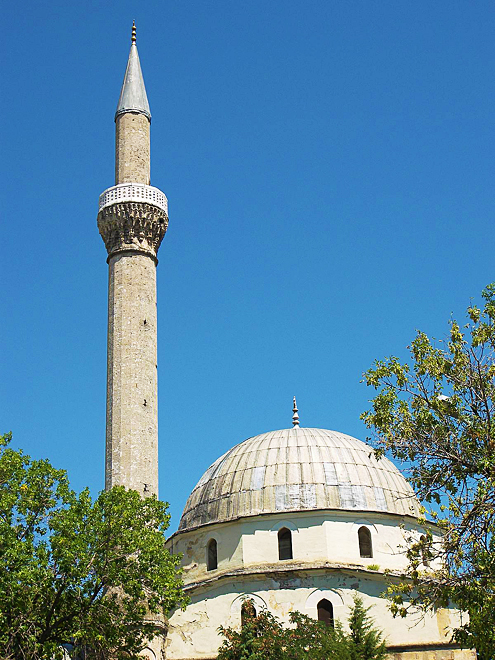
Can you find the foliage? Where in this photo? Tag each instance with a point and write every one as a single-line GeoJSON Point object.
{"type": "Point", "coordinates": [365, 642]}
{"type": "Point", "coordinates": [93, 576]}
{"type": "Point", "coordinates": [262, 637]}
{"type": "Point", "coordinates": [314, 639]}
{"type": "Point", "coordinates": [436, 415]}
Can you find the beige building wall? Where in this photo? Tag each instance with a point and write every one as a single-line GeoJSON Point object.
{"type": "Point", "coordinates": [326, 564]}
{"type": "Point", "coordinates": [316, 537]}
{"type": "Point", "coordinates": [193, 634]}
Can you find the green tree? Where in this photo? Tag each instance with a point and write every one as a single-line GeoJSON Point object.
{"type": "Point", "coordinates": [262, 637]}
{"type": "Point", "coordinates": [435, 414]}
{"type": "Point", "coordinates": [365, 641]}
{"type": "Point", "coordinates": [93, 576]}
{"type": "Point", "coordinates": [310, 639]}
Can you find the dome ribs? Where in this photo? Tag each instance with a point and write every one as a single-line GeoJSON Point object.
{"type": "Point", "coordinates": [297, 469]}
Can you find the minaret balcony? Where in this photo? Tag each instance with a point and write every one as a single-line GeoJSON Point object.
{"type": "Point", "coordinates": [133, 192]}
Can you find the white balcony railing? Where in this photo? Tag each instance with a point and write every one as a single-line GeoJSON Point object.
{"type": "Point", "coordinates": [133, 192]}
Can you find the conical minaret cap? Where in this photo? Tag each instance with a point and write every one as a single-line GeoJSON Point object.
{"type": "Point", "coordinates": [133, 94]}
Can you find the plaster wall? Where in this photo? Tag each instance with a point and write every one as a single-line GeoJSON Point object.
{"type": "Point", "coordinates": [434, 654]}
{"type": "Point", "coordinates": [330, 536]}
{"type": "Point", "coordinates": [326, 564]}
{"type": "Point", "coordinates": [193, 547]}
{"type": "Point", "coordinates": [193, 634]}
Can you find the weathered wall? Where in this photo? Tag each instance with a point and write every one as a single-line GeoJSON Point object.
{"type": "Point", "coordinates": [132, 410]}
{"type": "Point", "coordinates": [193, 633]}
{"type": "Point", "coordinates": [434, 654]}
{"type": "Point", "coordinates": [428, 654]}
{"type": "Point", "coordinates": [316, 537]}
{"type": "Point", "coordinates": [132, 149]}
{"type": "Point", "coordinates": [326, 564]}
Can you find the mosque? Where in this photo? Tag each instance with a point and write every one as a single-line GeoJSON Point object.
{"type": "Point", "coordinates": [295, 519]}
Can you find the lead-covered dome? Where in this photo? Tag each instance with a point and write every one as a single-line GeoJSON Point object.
{"type": "Point", "coordinates": [297, 469]}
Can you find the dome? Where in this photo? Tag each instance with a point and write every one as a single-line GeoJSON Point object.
{"type": "Point", "coordinates": [297, 469]}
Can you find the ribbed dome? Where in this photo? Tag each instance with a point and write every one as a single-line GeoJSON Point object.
{"type": "Point", "coordinates": [297, 469]}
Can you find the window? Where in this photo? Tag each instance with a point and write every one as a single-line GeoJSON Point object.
{"type": "Point", "coordinates": [211, 555]}
{"type": "Point", "coordinates": [248, 611]}
{"type": "Point", "coordinates": [284, 544]}
{"type": "Point", "coordinates": [325, 612]}
{"type": "Point", "coordinates": [365, 547]}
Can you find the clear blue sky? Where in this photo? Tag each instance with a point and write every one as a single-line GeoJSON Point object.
{"type": "Point", "coordinates": [329, 167]}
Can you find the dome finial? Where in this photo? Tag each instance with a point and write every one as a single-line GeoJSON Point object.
{"type": "Point", "coordinates": [295, 416]}
{"type": "Point", "coordinates": [133, 34]}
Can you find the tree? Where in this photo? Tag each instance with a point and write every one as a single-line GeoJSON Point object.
{"type": "Point", "coordinates": [435, 414]}
{"type": "Point", "coordinates": [86, 576]}
{"type": "Point", "coordinates": [365, 642]}
{"type": "Point", "coordinates": [262, 637]}
{"type": "Point", "coordinates": [314, 639]}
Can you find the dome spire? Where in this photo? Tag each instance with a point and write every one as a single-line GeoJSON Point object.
{"type": "Point", "coordinates": [295, 416]}
{"type": "Point", "coordinates": [133, 93]}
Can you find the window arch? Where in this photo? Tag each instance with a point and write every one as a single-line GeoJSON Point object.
{"type": "Point", "coordinates": [211, 555]}
{"type": "Point", "coordinates": [365, 545]}
{"type": "Point", "coordinates": [248, 611]}
{"type": "Point", "coordinates": [284, 543]}
{"type": "Point", "coordinates": [325, 612]}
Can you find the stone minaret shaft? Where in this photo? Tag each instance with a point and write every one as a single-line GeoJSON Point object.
{"type": "Point", "coordinates": [132, 221]}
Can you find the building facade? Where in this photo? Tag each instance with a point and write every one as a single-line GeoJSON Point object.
{"type": "Point", "coordinates": [300, 519]}
{"type": "Point", "coordinates": [297, 519]}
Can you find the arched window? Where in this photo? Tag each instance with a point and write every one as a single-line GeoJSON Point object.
{"type": "Point", "coordinates": [284, 544]}
{"type": "Point", "coordinates": [325, 612]}
{"type": "Point", "coordinates": [211, 558]}
{"type": "Point", "coordinates": [365, 547]}
{"type": "Point", "coordinates": [248, 611]}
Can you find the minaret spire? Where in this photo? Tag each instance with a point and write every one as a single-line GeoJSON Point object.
{"type": "Point", "coordinates": [132, 221]}
{"type": "Point", "coordinates": [133, 96]}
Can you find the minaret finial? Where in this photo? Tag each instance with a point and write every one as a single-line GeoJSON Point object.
{"type": "Point", "coordinates": [295, 416]}
{"type": "Point", "coordinates": [133, 34]}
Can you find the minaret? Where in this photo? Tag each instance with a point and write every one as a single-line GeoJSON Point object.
{"type": "Point", "coordinates": [132, 221]}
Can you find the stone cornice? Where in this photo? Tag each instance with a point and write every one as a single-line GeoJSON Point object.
{"type": "Point", "coordinates": [129, 226]}
{"type": "Point", "coordinates": [284, 570]}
